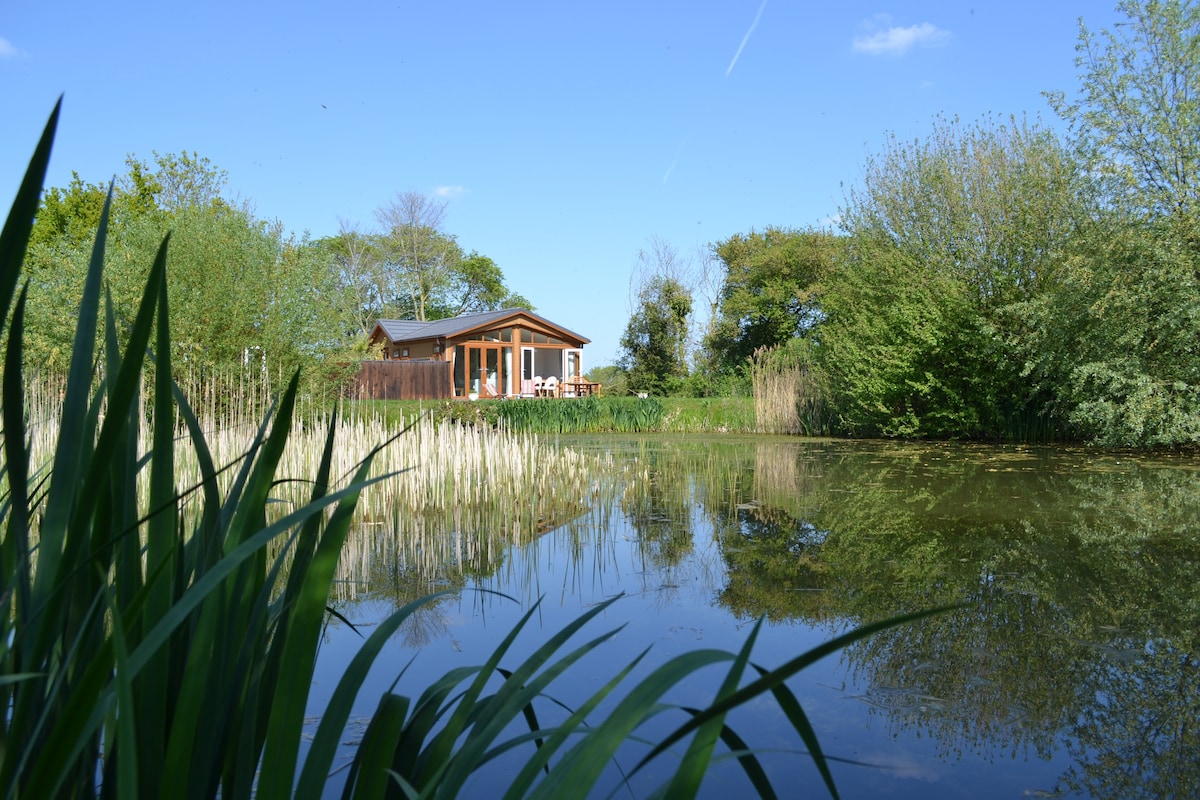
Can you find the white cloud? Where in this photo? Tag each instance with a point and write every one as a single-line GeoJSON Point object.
{"type": "Point", "coordinates": [8, 49]}
{"type": "Point", "coordinates": [450, 192]}
{"type": "Point", "coordinates": [893, 40]}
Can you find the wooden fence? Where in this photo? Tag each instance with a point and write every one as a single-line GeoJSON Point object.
{"type": "Point", "coordinates": [405, 380]}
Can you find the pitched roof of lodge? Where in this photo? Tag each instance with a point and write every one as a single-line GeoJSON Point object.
{"type": "Point", "coordinates": [407, 330]}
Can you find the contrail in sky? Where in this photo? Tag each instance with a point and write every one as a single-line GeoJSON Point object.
{"type": "Point", "coordinates": [667, 175]}
{"type": "Point", "coordinates": [746, 38]}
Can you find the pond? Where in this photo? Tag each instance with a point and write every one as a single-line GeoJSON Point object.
{"type": "Point", "coordinates": [1072, 669]}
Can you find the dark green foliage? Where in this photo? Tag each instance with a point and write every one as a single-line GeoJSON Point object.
{"type": "Point", "coordinates": [770, 292]}
{"type": "Point", "coordinates": [654, 345]}
{"type": "Point", "coordinates": [250, 304]}
{"type": "Point", "coordinates": [902, 350]}
{"type": "Point", "coordinates": [1120, 338]}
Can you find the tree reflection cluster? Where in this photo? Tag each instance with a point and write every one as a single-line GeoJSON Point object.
{"type": "Point", "coordinates": [1076, 570]}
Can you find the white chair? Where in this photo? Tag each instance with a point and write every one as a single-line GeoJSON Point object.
{"type": "Point", "coordinates": [550, 387]}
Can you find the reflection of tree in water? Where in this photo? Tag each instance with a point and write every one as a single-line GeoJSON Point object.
{"type": "Point", "coordinates": [773, 563]}
{"type": "Point", "coordinates": [658, 506]}
{"type": "Point", "coordinates": [1140, 735]}
{"type": "Point", "coordinates": [404, 584]}
{"type": "Point", "coordinates": [1056, 554]}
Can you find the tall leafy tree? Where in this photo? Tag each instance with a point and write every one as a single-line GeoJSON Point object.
{"type": "Point", "coordinates": [419, 258]}
{"type": "Point", "coordinates": [354, 257]}
{"type": "Point", "coordinates": [1118, 337]}
{"type": "Point", "coordinates": [477, 284]}
{"type": "Point", "coordinates": [990, 204]}
{"type": "Point", "coordinates": [653, 348]}
{"type": "Point", "coordinates": [246, 296]}
{"type": "Point", "coordinates": [900, 347]}
{"type": "Point", "coordinates": [1137, 113]}
{"type": "Point", "coordinates": [413, 269]}
{"type": "Point", "coordinates": [769, 293]}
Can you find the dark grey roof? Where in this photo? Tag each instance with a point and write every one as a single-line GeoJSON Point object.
{"type": "Point", "coordinates": [399, 330]}
{"type": "Point", "coordinates": [402, 328]}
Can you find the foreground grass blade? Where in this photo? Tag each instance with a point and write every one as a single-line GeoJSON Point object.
{"type": "Point", "coordinates": [583, 764]}
{"type": "Point", "coordinates": [14, 237]}
{"type": "Point", "coordinates": [14, 555]}
{"type": "Point", "coordinates": [691, 771]}
{"type": "Point", "coordinates": [323, 749]}
{"type": "Point", "coordinates": [305, 617]}
{"type": "Point", "coordinates": [776, 677]}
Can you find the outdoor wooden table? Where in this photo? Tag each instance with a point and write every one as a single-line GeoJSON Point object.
{"type": "Point", "coordinates": [581, 386]}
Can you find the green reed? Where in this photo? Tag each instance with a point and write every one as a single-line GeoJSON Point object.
{"type": "Point", "coordinates": [590, 414]}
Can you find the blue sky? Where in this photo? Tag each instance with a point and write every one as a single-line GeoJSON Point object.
{"type": "Point", "coordinates": [564, 136]}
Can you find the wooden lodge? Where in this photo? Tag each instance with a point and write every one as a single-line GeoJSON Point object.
{"type": "Point", "coordinates": [508, 353]}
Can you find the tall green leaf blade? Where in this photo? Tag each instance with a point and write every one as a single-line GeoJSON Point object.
{"type": "Point", "coordinates": [14, 555]}
{"type": "Point", "coordinates": [573, 725]}
{"type": "Point", "coordinates": [14, 237]}
{"type": "Point", "coordinates": [583, 764]}
{"type": "Point", "coordinates": [777, 676]}
{"type": "Point", "coordinates": [323, 748]}
{"type": "Point", "coordinates": [305, 617]}
{"type": "Point", "coordinates": [161, 549]}
{"type": "Point", "coordinates": [690, 773]}
{"type": "Point", "coordinates": [72, 446]}
{"type": "Point", "coordinates": [368, 778]}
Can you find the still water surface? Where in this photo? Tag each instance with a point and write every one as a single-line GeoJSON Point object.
{"type": "Point", "coordinates": [1073, 670]}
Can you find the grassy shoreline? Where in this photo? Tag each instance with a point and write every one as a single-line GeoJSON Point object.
{"type": "Point", "coordinates": [673, 414]}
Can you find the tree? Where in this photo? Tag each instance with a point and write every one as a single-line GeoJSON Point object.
{"type": "Point", "coordinates": [654, 345]}
{"type": "Point", "coordinates": [68, 217]}
{"type": "Point", "coordinates": [967, 227]}
{"type": "Point", "coordinates": [174, 182]}
{"type": "Point", "coordinates": [1137, 115]}
{"type": "Point", "coordinates": [769, 293]}
{"type": "Point", "coordinates": [989, 204]}
{"type": "Point", "coordinates": [417, 271]}
{"type": "Point", "coordinates": [476, 284]}
{"type": "Point", "coordinates": [355, 258]}
{"type": "Point", "coordinates": [245, 291]}
{"type": "Point", "coordinates": [419, 257]}
{"type": "Point", "coordinates": [899, 347]}
{"type": "Point", "coordinates": [1117, 337]}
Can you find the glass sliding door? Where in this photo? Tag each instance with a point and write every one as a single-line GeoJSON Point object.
{"type": "Point", "coordinates": [572, 363]}
{"type": "Point", "coordinates": [488, 369]}
{"type": "Point", "coordinates": [527, 373]}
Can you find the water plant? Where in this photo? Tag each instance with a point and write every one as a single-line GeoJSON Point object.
{"type": "Point", "coordinates": [584, 415]}
{"type": "Point", "coordinates": [163, 643]}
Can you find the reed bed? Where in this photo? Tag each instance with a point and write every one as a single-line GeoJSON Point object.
{"type": "Point", "coordinates": [454, 488]}
{"type": "Point", "coordinates": [789, 396]}
{"type": "Point", "coordinates": [583, 415]}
